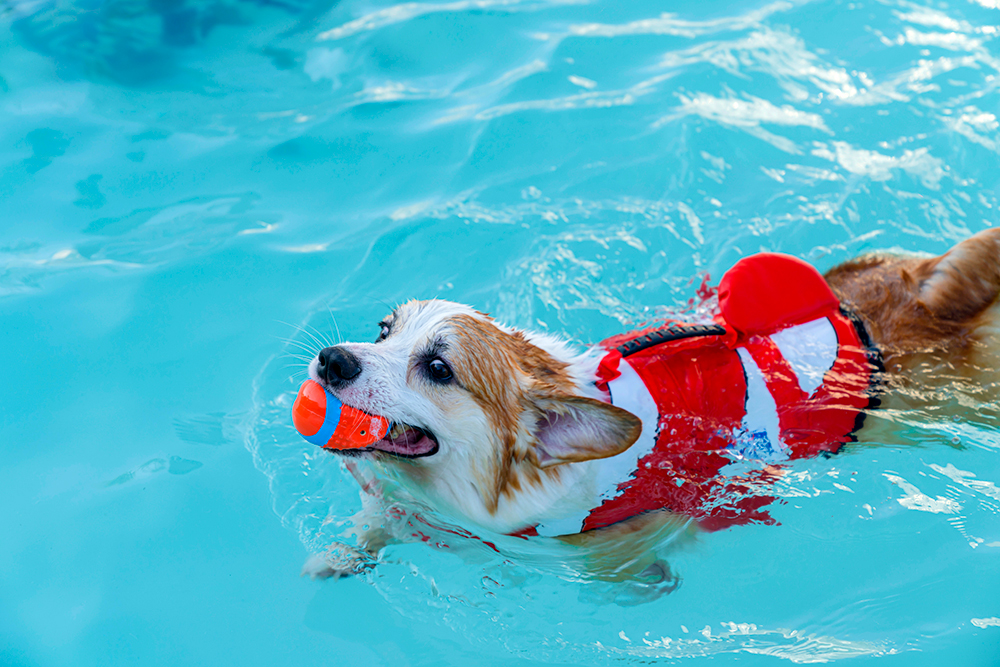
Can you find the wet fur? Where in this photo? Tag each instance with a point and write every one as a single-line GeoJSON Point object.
{"type": "Point", "coordinates": [937, 323]}
{"type": "Point", "coordinates": [512, 389]}
{"type": "Point", "coordinates": [914, 306]}
{"type": "Point", "coordinates": [502, 425]}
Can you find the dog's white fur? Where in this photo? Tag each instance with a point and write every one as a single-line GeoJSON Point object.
{"type": "Point", "coordinates": [389, 386]}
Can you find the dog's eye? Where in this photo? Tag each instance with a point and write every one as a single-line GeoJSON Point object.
{"type": "Point", "coordinates": [383, 331]}
{"type": "Point", "coordinates": [439, 370]}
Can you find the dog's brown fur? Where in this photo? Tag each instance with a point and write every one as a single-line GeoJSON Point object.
{"type": "Point", "coordinates": [499, 389]}
{"type": "Point", "coordinates": [917, 306]}
{"type": "Point", "coordinates": [935, 320]}
{"type": "Point", "coordinates": [521, 378]}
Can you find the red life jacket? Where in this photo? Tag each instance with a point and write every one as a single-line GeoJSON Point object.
{"type": "Point", "coordinates": [782, 373]}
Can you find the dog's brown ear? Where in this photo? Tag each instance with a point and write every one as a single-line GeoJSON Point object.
{"type": "Point", "coordinates": [573, 428]}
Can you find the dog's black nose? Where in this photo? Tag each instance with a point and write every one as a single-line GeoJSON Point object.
{"type": "Point", "coordinates": [337, 366]}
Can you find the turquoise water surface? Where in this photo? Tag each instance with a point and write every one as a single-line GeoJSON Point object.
{"type": "Point", "coordinates": [193, 191]}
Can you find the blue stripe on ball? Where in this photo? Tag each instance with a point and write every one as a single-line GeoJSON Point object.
{"type": "Point", "coordinates": [330, 421]}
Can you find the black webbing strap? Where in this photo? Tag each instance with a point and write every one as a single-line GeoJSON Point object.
{"type": "Point", "coordinates": [671, 333]}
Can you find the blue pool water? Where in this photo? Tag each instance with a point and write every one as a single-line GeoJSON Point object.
{"type": "Point", "coordinates": [191, 191]}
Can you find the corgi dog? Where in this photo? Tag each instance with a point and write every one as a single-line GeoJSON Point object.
{"type": "Point", "coordinates": [683, 423]}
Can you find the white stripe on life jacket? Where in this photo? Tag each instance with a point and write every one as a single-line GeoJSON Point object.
{"type": "Point", "coordinates": [811, 350]}
{"type": "Point", "coordinates": [759, 438]}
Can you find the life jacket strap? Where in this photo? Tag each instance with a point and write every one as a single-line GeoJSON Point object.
{"type": "Point", "coordinates": [871, 349]}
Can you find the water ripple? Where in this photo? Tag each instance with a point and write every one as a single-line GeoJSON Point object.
{"type": "Point", "coordinates": [410, 10]}
{"type": "Point", "coordinates": [671, 24]}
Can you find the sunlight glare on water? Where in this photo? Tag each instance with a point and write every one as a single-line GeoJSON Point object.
{"type": "Point", "coordinates": [199, 195]}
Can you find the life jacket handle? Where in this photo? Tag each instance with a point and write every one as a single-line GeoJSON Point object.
{"type": "Point", "coordinates": [668, 334]}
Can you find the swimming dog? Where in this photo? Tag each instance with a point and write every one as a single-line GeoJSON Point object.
{"type": "Point", "coordinates": [521, 434]}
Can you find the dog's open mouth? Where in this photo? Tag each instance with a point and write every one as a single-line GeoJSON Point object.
{"type": "Point", "coordinates": [407, 441]}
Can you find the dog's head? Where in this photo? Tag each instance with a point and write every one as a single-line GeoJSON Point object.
{"type": "Point", "coordinates": [482, 412]}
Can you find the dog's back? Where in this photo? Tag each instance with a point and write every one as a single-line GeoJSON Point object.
{"type": "Point", "coordinates": [916, 306]}
{"type": "Point", "coordinates": [935, 320]}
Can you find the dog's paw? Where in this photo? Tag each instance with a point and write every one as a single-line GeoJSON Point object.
{"type": "Point", "coordinates": [340, 560]}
